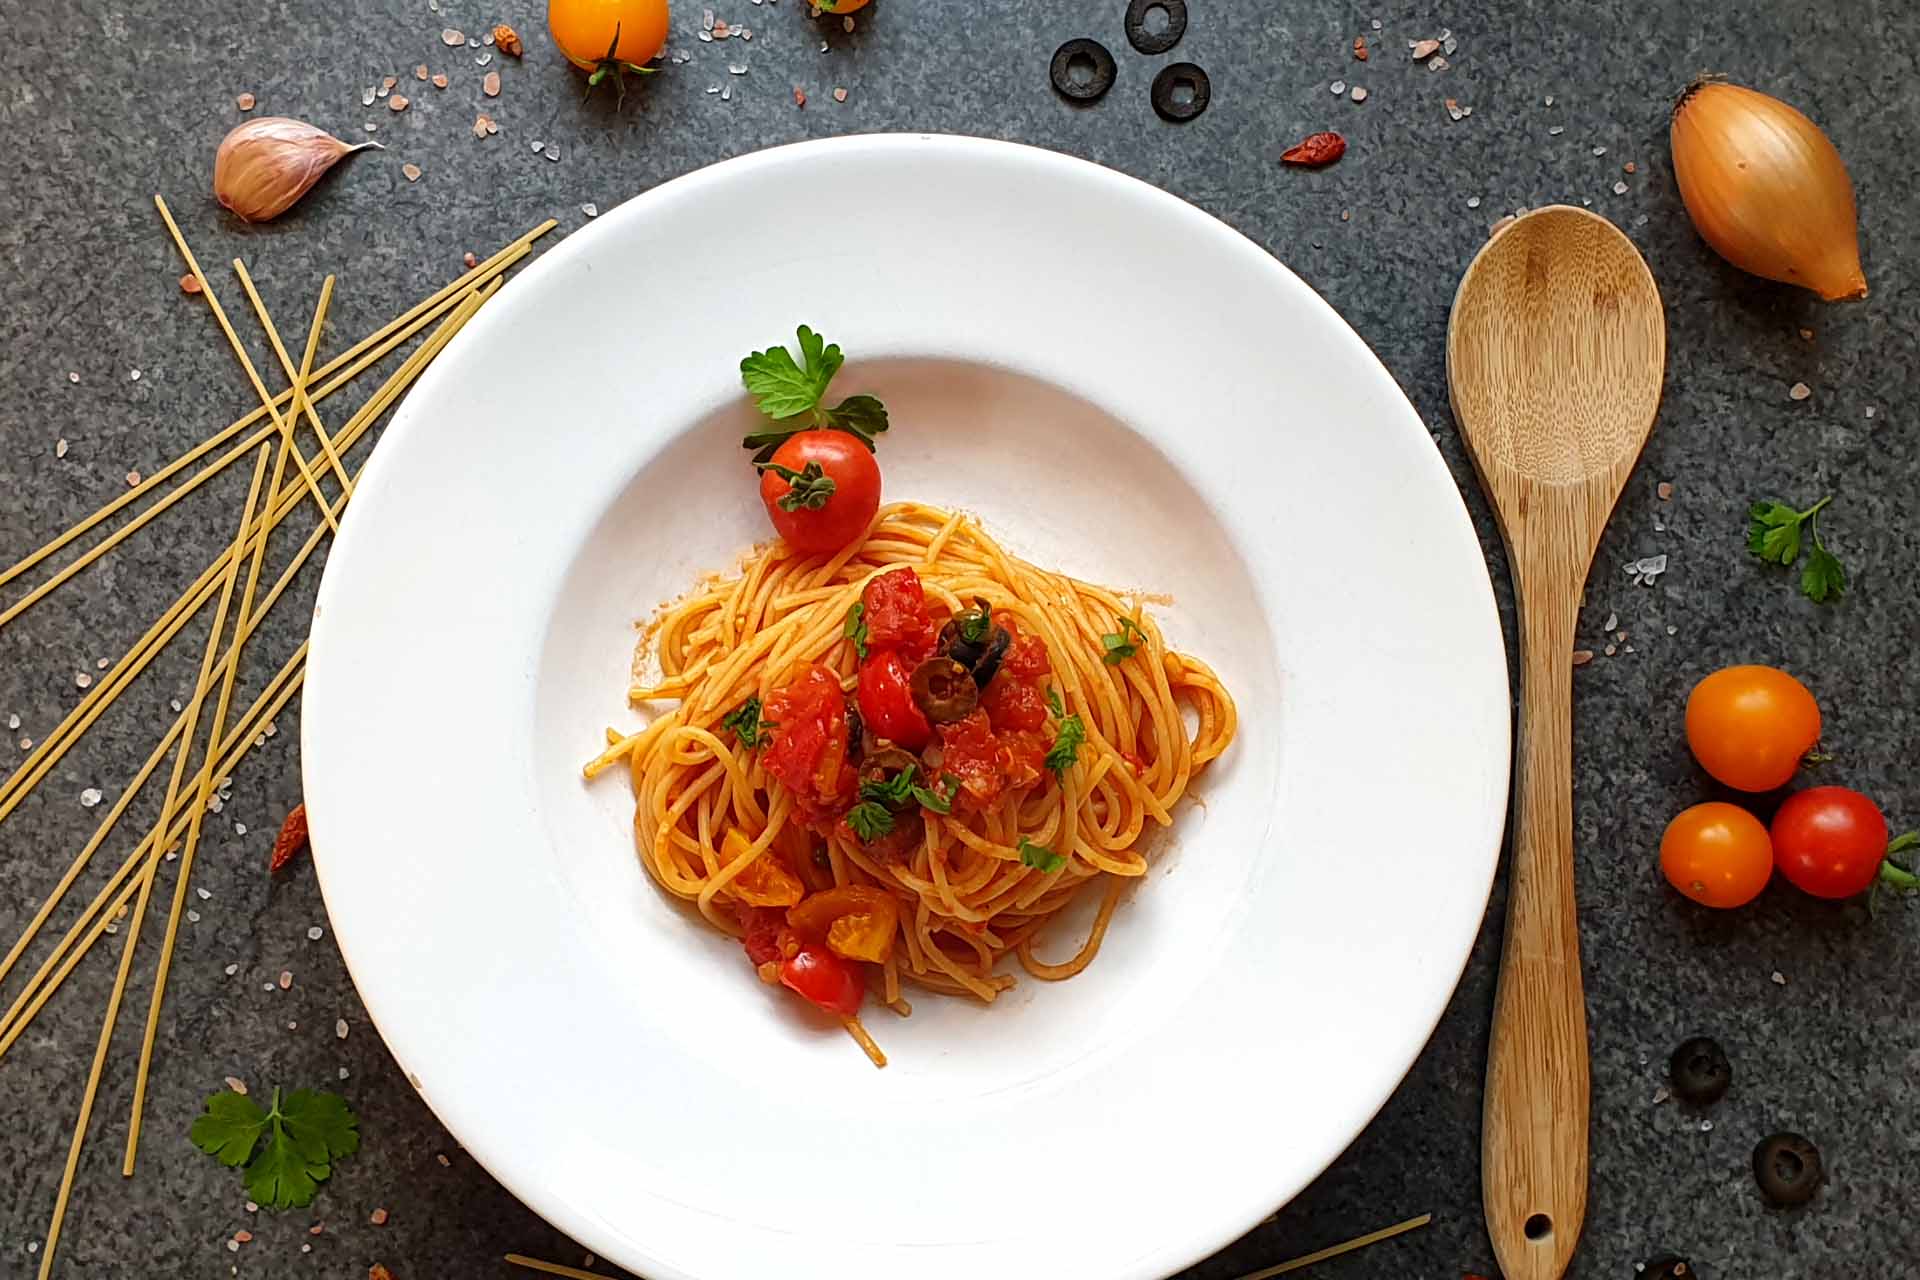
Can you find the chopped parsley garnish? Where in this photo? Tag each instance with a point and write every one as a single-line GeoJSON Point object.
{"type": "Point", "coordinates": [870, 819]}
{"type": "Point", "coordinates": [1774, 534]}
{"type": "Point", "coordinates": [1069, 732]}
{"type": "Point", "coordinates": [786, 389]}
{"type": "Point", "coordinates": [748, 729]}
{"type": "Point", "coordinates": [856, 628]}
{"type": "Point", "coordinates": [893, 792]}
{"type": "Point", "coordinates": [297, 1142]}
{"type": "Point", "coordinates": [936, 801]}
{"type": "Point", "coordinates": [1124, 643]}
{"type": "Point", "coordinates": [975, 624]}
{"type": "Point", "coordinates": [1039, 857]}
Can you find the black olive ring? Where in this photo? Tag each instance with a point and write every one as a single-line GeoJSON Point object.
{"type": "Point", "coordinates": [1062, 72]}
{"type": "Point", "coordinates": [1788, 1169]}
{"type": "Point", "coordinates": [1171, 78]}
{"type": "Point", "coordinates": [1156, 41]}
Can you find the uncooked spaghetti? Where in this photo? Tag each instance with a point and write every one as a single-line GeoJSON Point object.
{"type": "Point", "coordinates": [793, 768]}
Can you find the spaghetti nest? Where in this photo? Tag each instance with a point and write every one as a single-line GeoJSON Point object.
{"type": "Point", "coordinates": [975, 883]}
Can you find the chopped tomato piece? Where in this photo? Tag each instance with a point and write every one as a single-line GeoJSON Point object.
{"type": "Point", "coordinates": [886, 700]}
{"type": "Point", "coordinates": [896, 614]}
{"type": "Point", "coordinates": [857, 921]}
{"type": "Point", "coordinates": [971, 755]}
{"type": "Point", "coordinates": [824, 979]}
{"type": "Point", "coordinates": [808, 753]}
{"type": "Point", "coordinates": [1022, 756]}
{"type": "Point", "coordinates": [763, 937]}
{"type": "Point", "coordinates": [1013, 703]}
{"type": "Point", "coordinates": [1026, 653]}
{"type": "Point", "coordinates": [762, 882]}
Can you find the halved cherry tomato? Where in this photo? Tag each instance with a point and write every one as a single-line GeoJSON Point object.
{"type": "Point", "coordinates": [821, 489]}
{"type": "Point", "coordinates": [1751, 726]}
{"type": "Point", "coordinates": [585, 31]}
{"type": "Point", "coordinates": [1829, 841]}
{"type": "Point", "coordinates": [762, 882]}
{"type": "Point", "coordinates": [886, 701]}
{"type": "Point", "coordinates": [824, 979]}
{"type": "Point", "coordinates": [1718, 854]}
{"type": "Point", "coordinates": [896, 614]}
{"type": "Point", "coordinates": [857, 921]}
{"type": "Point", "coordinates": [809, 749]}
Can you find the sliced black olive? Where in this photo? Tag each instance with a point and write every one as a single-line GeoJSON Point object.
{"type": "Point", "coordinates": [1788, 1168]}
{"type": "Point", "coordinates": [953, 642]}
{"type": "Point", "coordinates": [988, 665]}
{"type": "Point", "coordinates": [1067, 85]}
{"type": "Point", "coordinates": [1166, 92]}
{"type": "Point", "coordinates": [1670, 1269]}
{"type": "Point", "coordinates": [1156, 41]}
{"type": "Point", "coordinates": [944, 690]}
{"type": "Point", "coordinates": [1701, 1072]}
{"type": "Point", "coordinates": [884, 761]}
{"type": "Point", "coordinates": [856, 729]}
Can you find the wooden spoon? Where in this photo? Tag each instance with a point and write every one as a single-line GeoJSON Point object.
{"type": "Point", "coordinates": [1555, 355]}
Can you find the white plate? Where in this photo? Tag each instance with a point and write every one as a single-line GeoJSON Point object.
{"type": "Point", "coordinates": [1119, 386]}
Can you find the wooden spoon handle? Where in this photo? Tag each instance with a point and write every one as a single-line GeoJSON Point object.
{"type": "Point", "coordinates": [1533, 1158]}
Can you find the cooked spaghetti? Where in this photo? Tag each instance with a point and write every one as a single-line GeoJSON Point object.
{"type": "Point", "coordinates": [921, 748]}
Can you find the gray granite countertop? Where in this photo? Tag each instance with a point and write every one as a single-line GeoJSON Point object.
{"type": "Point", "coordinates": [104, 102]}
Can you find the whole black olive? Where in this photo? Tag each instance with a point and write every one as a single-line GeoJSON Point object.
{"type": "Point", "coordinates": [944, 690]}
{"type": "Point", "coordinates": [1701, 1072]}
{"type": "Point", "coordinates": [988, 664]}
{"type": "Point", "coordinates": [1788, 1168]}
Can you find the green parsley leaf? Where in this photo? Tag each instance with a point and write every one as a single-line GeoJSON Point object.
{"type": "Point", "coordinates": [303, 1135]}
{"type": "Point", "coordinates": [856, 628]}
{"type": "Point", "coordinates": [785, 389]}
{"type": "Point", "coordinates": [1776, 533]}
{"type": "Point", "coordinates": [1822, 579]}
{"type": "Point", "coordinates": [1124, 643]}
{"type": "Point", "coordinates": [1039, 857]}
{"type": "Point", "coordinates": [862, 416]}
{"type": "Point", "coordinates": [934, 800]}
{"type": "Point", "coordinates": [870, 820]}
{"type": "Point", "coordinates": [229, 1127]}
{"type": "Point", "coordinates": [1065, 752]}
{"type": "Point", "coordinates": [975, 624]}
{"type": "Point", "coordinates": [748, 729]}
{"type": "Point", "coordinates": [894, 792]}
{"type": "Point", "coordinates": [1054, 704]}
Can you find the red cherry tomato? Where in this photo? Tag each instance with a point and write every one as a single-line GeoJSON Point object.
{"type": "Point", "coordinates": [824, 979]}
{"type": "Point", "coordinates": [896, 613]}
{"type": "Point", "coordinates": [886, 701]}
{"type": "Point", "coordinates": [1717, 854]}
{"type": "Point", "coordinates": [808, 753]}
{"type": "Point", "coordinates": [821, 489]}
{"type": "Point", "coordinates": [1829, 841]}
{"type": "Point", "coordinates": [1751, 726]}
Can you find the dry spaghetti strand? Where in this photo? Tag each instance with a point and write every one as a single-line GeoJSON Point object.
{"type": "Point", "coordinates": [967, 898]}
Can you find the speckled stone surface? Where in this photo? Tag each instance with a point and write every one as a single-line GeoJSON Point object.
{"type": "Point", "coordinates": [104, 102]}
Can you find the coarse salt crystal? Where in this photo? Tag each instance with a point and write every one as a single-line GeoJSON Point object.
{"type": "Point", "coordinates": [205, 896]}
{"type": "Point", "coordinates": [378, 1217]}
{"type": "Point", "coordinates": [73, 377]}
{"type": "Point", "coordinates": [344, 1073]}
{"type": "Point", "coordinates": [13, 721]}
{"type": "Point", "coordinates": [1799, 391]}
{"type": "Point", "coordinates": [232, 969]}
{"type": "Point", "coordinates": [367, 95]}
{"type": "Point", "coordinates": [236, 1084]}
{"type": "Point", "coordinates": [1556, 130]}
{"type": "Point", "coordinates": [90, 797]}
{"type": "Point", "coordinates": [316, 933]}
{"type": "Point", "coordinates": [134, 375]}
{"type": "Point", "coordinates": [340, 1030]}
{"type": "Point", "coordinates": [1358, 94]}
{"type": "Point", "coordinates": [452, 38]}
{"type": "Point", "coordinates": [839, 95]}
{"type": "Point", "coordinates": [60, 448]}
{"type": "Point", "coordinates": [1619, 188]}
{"type": "Point", "coordinates": [736, 69]}
{"type": "Point", "coordinates": [591, 209]}
{"type": "Point", "coordinates": [1613, 620]}
{"type": "Point", "coordinates": [81, 680]}
{"type": "Point", "coordinates": [1779, 978]}
{"type": "Point", "coordinates": [1473, 202]}
{"type": "Point", "coordinates": [1338, 87]}
{"type": "Point", "coordinates": [193, 917]}
{"type": "Point", "coordinates": [285, 980]}
{"type": "Point", "coordinates": [239, 828]}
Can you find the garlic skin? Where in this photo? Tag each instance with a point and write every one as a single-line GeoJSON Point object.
{"type": "Point", "coordinates": [264, 166]}
{"type": "Point", "coordinates": [1767, 189]}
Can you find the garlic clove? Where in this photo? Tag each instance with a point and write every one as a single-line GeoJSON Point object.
{"type": "Point", "coordinates": [264, 166]}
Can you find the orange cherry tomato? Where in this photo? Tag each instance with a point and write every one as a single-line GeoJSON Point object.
{"type": "Point", "coordinates": [1718, 854]}
{"type": "Point", "coordinates": [857, 921]}
{"type": "Point", "coordinates": [599, 33]}
{"type": "Point", "coordinates": [1751, 726]}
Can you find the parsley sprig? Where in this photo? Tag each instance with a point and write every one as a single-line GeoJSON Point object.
{"type": "Point", "coordinates": [855, 628]}
{"type": "Point", "coordinates": [1775, 534]}
{"type": "Point", "coordinates": [793, 393]}
{"type": "Point", "coordinates": [879, 799]}
{"type": "Point", "coordinates": [748, 729]}
{"type": "Point", "coordinates": [1124, 643]}
{"type": "Point", "coordinates": [289, 1150]}
{"type": "Point", "coordinates": [1039, 857]}
{"type": "Point", "coordinates": [1069, 732]}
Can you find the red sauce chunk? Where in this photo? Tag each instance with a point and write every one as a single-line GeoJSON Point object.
{"type": "Point", "coordinates": [808, 754]}
{"type": "Point", "coordinates": [1013, 703]}
{"type": "Point", "coordinates": [896, 614]}
{"type": "Point", "coordinates": [971, 754]}
{"type": "Point", "coordinates": [1026, 654]}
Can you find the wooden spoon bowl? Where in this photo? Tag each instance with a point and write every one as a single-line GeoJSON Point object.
{"type": "Point", "coordinates": [1556, 352]}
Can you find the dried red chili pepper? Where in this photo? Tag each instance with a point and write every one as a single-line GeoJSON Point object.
{"type": "Point", "coordinates": [292, 838]}
{"type": "Point", "coordinates": [1315, 149]}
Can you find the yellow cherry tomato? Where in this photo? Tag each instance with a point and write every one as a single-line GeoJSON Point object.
{"type": "Point", "coordinates": [600, 34]}
{"type": "Point", "coordinates": [1718, 854]}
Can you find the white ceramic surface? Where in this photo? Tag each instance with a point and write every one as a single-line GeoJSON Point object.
{"type": "Point", "coordinates": [1118, 385]}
